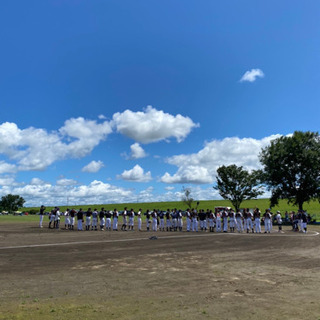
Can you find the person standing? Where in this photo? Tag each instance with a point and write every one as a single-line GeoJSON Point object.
{"type": "Point", "coordinates": [232, 218]}
{"type": "Point", "coordinates": [57, 218]}
{"type": "Point", "coordinates": [188, 215]}
{"type": "Point", "coordinates": [67, 219]}
{"type": "Point", "coordinates": [279, 221]}
{"type": "Point", "coordinates": [225, 220]}
{"type": "Point", "coordinates": [80, 215]}
{"type": "Point", "coordinates": [139, 219]}
{"type": "Point", "coordinates": [267, 221]}
{"type": "Point", "coordinates": [161, 217]}
{"type": "Point", "coordinates": [102, 214]}
{"type": "Point", "coordinates": [42, 212]}
{"type": "Point", "coordinates": [168, 220]}
{"type": "Point", "coordinates": [148, 215]}
{"type": "Point", "coordinates": [72, 217]}
{"type": "Point", "coordinates": [194, 220]}
{"type": "Point", "coordinates": [154, 220]}
{"type": "Point", "coordinates": [124, 217]}
{"type": "Point", "coordinates": [257, 222]}
{"type": "Point", "coordinates": [88, 219]}
{"type": "Point", "coordinates": [115, 216]}
{"type": "Point", "coordinates": [52, 217]}
{"type": "Point", "coordinates": [211, 221]}
{"type": "Point", "coordinates": [239, 221]}
{"type": "Point", "coordinates": [94, 220]}
{"type": "Point", "coordinates": [304, 218]}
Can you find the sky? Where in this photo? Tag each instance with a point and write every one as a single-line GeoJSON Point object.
{"type": "Point", "coordinates": [120, 101]}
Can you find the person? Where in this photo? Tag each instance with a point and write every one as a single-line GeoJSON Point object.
{"type": "Point", "coordinates": [218, 221]}
{"type": "Point", "coordinates": [239, 221]}
{"type": "Point", "coordinates": [131, 219]}
{"type": "Point", "coordinates": [168, 220]}
{"type": "Point", "coordinates": [124, 217]}
{"type": "Point", "coordinates": [194, 220]}
{"type": "Point", "coordinates": [139, 219]}
{"type": "Point", "coordinates": [67, 219]}
{"type": "Point", "coordinates": [52, 217]}
{"type": "Point", "coordinates": [154, 220]}
{"type": "Point", "coordinates": [108, 215]}
{"type": "Point", "coordinates": [267, 221]}
{"type": "Point", "coordinates": [202, 218]}
{"type": "Point", "coordinates": [257, 222]}
{"type": "Point", "coordinates": [42, 212]}
{"type": "Point", "coordinates": [225, 220]}
{"type": "Point", "coordinates": [88, 219]}
{"type": "Point", "coordinates": [304, 218]}
{"type": "Point", "coordinates": [232, 219]}
{"type": "Point", "coordinates": [94, 220]}
{"type": "Point", "coordinates": [211, 221]}
{"type": "Point", "coordinates": [115, 216]}
{"type": "Point", "coordinates": [249, 221]}
{"type": "Point", "coordinates": [148, 215]}
{"type": "Point", "coordinates": [72, 217]}
{"type": "Point", "coordinates": [188, 215]}
{"type": "Point", "coordinates": [174, 217]}
{"type": "Point", "coordinates": [180, 220]}
{"type": "Point", "coordinates": [80, 215]}
{"type": "Point", "coordinates": [57, 218]}
{"type": "Point", "coordinates": [161, 217]}
{"type": "Point", "coordinates": [279, 221]}
{"type": "Point", "coordinates": [102, 214]}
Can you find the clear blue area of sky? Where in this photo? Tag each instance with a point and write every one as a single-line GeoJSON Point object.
{"type": "Point", "coordinates": [68, 59]}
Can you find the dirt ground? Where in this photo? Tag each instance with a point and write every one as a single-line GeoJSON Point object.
{"type": "Point", "coordinates": [60, 274]}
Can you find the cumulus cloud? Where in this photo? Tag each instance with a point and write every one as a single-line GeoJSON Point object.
{"type": "Point", "coordinates": [252, 75]}
{"type": "Point", "coordinates": [201, 167]}
{"type": "Point", "coordinates": [37, 182]}
{"type": "Point", "coordinates": [93, 166]}
{"type": "Point", "coordinates": [136, 174]}
{"type": "Point", "coordinates": [152, 125]}
{"type": "Point", "coordinates": [36, 149]}
{"type": "Point", "coordinates": [7, 167]}
{"type": "Point", "coordinates": [137, 151]}
{"type": "Point", "coordinates": [169, 188]}
{"type": "Point", "coordinates": [66, 182]}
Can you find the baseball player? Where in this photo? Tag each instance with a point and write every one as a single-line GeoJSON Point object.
{"type": "Point", "coordinates": [42, 212]}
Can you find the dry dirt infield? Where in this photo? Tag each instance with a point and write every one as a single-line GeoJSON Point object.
{"type": "Point", "coordinates": [59, 274]}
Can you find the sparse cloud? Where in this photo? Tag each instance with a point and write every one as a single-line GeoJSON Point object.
{"type": "Point", "coordinates": [93, 166]}
{"type": "Point", "coordinates": [136, 174]}
{"type": "Point", "coordinates": [252, 75]}
{"type": "Point", "coordinates": [152, 125]}
{"type": "Point", "coordinates": [66, 182]}
{"type": "Point", "coordinates": [200, 168]}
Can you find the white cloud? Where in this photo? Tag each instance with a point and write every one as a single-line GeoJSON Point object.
{"type": "Point", "coordinates": [152, 125]}
{"type": "Point", "coordinates": [200, 168]}
{"type": "Point", "coordinates": [93, 166]}
{"type": "Point", "coordinates": [37, 182]}
{"type": "Point", "coordinates": [136, 174]}
{"type": "Point", "coordinates": [102, 117]}
{"type": "Point", "coordinates": [7, 167]}
{"type": "Point", "coordinates": [252, 75]}
{"type": "Point", "coordinates": [137, 151]}
{"type": "Point", "coordinates": [66, 182]}
{"type": "Point", "coordinates": [36, 149]}
{"type": "Point", "coordinates": [169, 188]}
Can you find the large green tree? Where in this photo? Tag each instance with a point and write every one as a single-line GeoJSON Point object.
{"type": "Point", "coordinates": [292, 168]}
{"type": "Point", "coordinates": [11, 203]}
{"type": "Point", "coordinates": [237, 184]}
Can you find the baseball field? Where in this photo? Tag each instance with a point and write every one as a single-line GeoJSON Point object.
{"type": "Point", "coordinates": [60, 274]}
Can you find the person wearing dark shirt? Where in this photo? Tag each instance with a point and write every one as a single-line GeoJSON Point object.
{"type": "Point", "coordinates": [101, 218]}
{"type": "Point", "coordinates": [88, 219]}
{"type": "Point", "coordinates": [80, 215]}
{"type": "Point", "coordinates": [42, 209]}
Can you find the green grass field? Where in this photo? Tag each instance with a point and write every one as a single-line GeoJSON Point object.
{"type": "Point", "coordinates": [313, 207]}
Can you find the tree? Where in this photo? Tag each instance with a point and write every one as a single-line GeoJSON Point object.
{"type": "Point", "coordinates": [11, 202]}
{"type": "Point", "coordinates": [186, 198]}
{"type": "Point", "coordinates": [292, 168]}
{"type": "Point", "coordinates": [236, 184]}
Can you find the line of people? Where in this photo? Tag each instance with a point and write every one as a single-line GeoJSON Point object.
{"type": "Point", "coordinates": [223, 220]}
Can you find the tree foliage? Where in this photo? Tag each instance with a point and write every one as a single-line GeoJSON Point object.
{"type": "Point", "coordinates": [237, 184]}
{"type": "Point", "coordinates": [11, 203]}
{"type": "Point", "coordinates": [292, 168]}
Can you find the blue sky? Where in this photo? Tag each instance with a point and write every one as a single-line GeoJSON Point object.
{"type": "Point", "coordinates": [125, 101]}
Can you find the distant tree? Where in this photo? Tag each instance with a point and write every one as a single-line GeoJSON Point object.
{"type": "Point", "coordinates": [11, 203]}
{"type": "Point", "coordinates": [186, 198]}
{"type": "Point", "coordinates": [292, 168]}
{"type": "Point", "coordinates": [237, 184]}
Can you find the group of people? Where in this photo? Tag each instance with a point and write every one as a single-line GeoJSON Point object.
{"type": "Point", "coordinates": [219, 220]}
